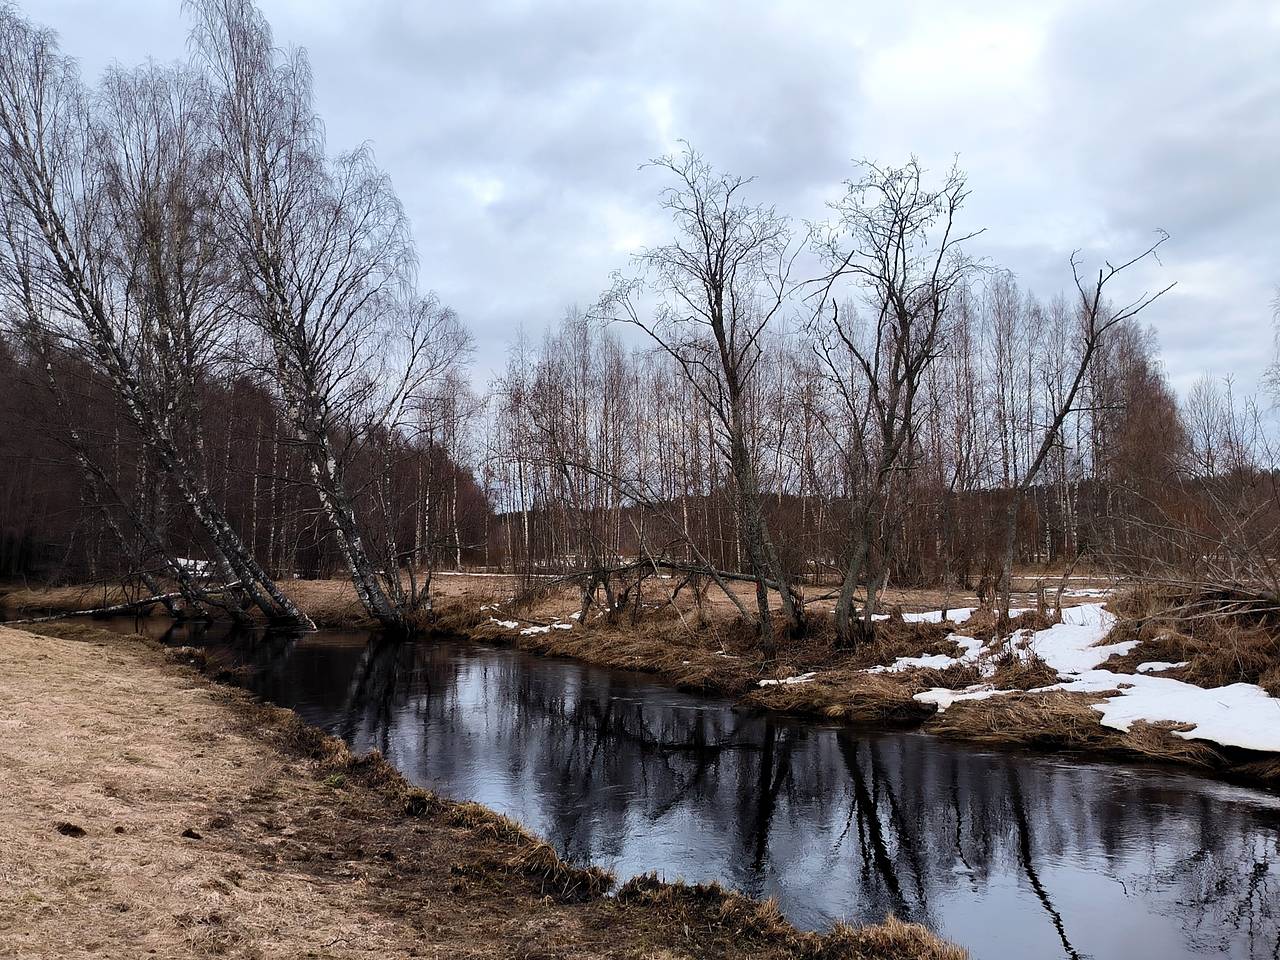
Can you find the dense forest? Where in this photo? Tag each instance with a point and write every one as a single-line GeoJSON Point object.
{"type": "Point", "coordinates": [220, 370]}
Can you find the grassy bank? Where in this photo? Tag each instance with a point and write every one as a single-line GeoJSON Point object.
{"type": "Point", "coordinates": [717, 653]}
{"type": "Point", "coordinates": [149, 810]}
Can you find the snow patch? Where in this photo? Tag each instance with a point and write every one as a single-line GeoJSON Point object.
{"type": "Point", "coordinates": [959, 615]}
{"type": "Point", "coordinates": [802, 678]}
{"type": "Point", "coordinates": [1238, 715]}
{"type": "Point", "coordinates": [529, 631]}
{"type": "Point", "coordinates": [945, 697]}
{"type": "Point", "coordinates": [937, 661]}
{"type": "Point", "coordinates": [1069, 646]}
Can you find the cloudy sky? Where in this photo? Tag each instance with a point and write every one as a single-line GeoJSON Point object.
{"type": "Point", "coordinates": [514, 132]}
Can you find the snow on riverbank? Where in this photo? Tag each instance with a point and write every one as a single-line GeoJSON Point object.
{"type": "Point", "coordinates": [938, 661]}
{"type": "Point", "coordinates": [1238, 715]}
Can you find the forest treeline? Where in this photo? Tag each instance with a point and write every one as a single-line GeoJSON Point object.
{"type": "Point", "coordinates": [219, 371]}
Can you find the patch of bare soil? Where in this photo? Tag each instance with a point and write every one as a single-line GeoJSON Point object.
{"type": "Point", "coordinates": [147, 811]}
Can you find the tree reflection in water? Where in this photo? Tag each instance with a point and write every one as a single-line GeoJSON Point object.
{"type": "Point", "coordinates": [1009, 854]}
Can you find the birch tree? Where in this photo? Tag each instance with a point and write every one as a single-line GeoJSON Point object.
{"type": "Point", "coordinates": [59, 228]}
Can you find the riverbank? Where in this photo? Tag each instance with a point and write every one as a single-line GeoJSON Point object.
{"type": "Point", "coordinates": [1132, 686]}
{"type": "Point", "coordinates": [149, 810]}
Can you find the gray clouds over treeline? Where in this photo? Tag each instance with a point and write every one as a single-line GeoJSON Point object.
{"type": "Point", "coordinates": [513, 132]}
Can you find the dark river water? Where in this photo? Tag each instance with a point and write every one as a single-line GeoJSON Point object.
{"type": "Point", "coordinates": [1009, 854]}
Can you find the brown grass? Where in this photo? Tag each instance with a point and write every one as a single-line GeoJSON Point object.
{"type": "Point", "coordinates": [241, 830]}
{"type": "Point", "coordinates": [895, 639]}
{"type": "Point", "coordinates": [879, 699]}
{"type": "Point", "coordinates": [1220, 648]}
{"type": "Point", "coordinates": [1066, 721]}
{"type": "Point", "coordinates": [1022, 672]}
{"type": "Point", "coordinates": [1055, 720]}
{"type": "Point", "coordinates": [893, 938]}
{"type": "Point", "coordinates": [754, 920]}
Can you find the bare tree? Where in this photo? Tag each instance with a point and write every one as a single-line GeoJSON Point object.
{"type": "Point", "coordinates": [59, 229]}
{"type": "Point", "coordinates": [718, 286]}
{"type": "Point", "coordinates": [898, 242]}
{"type": "Point", "coordinates": [323, 247]}
{"type": "Point", "coordinates": [1097, 318]}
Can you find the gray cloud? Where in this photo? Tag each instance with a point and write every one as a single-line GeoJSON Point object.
{"type": "Point", "coordinates": [513, 131]}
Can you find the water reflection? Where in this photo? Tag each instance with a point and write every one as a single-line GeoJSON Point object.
{"type": "Point", "coordinates": [1010, 855]}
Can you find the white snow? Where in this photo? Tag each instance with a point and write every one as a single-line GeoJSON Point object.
{"type": "Point", "coordinates": [505, 624]}
{"type": "Point", "coordinates": [802, 678]}
{"type": "Point", "coordinates": [937, 661]}
{"type": "Point", "coordinates": [1068, 646]}
{"type": "Point", "coordinates": [194, 568]}
{"type": "Point", "coordinates": [529, 631]}
{"type": "Point", "coordinates": [959, 615]}
{"type": "Point", "coordinates": [1239, 715]}
{"type": "Point", "coordinates": [945, 698]}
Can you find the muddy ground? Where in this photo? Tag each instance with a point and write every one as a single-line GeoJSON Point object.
{"type": "Point", "coordinates": [147, 811]}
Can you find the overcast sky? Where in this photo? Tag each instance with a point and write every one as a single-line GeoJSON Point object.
{"type": "Point", "coordinates": [513, 132]}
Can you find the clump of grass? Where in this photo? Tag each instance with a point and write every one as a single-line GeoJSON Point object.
{"type": "Point", "coordinates": [1156, 741]}
{"type": "Point", "coordinates": [890, 940]}
{"type": "Point", "coordinates": [1022, 672]}
{"type": "Point", "coordinates": [955, 677]}
{"type": "Point", "coordinates": [1260, 771]}
{"type": "Point", "coordinates": [1054, 720]}
{"type": "Point", "coordinates": [896, 639]}
{"type": "Point", "coordinates": [709, 902]}
{"type": "Point", "coordinates": [873, 698]}
{"type": "Point", "coordinates": [1067, 721]}
{"type": "Point", "coordinates": [761, 922]}
{"type": "Point", "coordinates": [532, 857]}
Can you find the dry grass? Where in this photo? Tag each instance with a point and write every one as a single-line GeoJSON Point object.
{"type": "Point", "coordinates": [893, 938]}
{"type": "Point", "coordinates": [1066, 721]}
{"type": "Point", "coordinates": [1022, 672]}
{"type": "Point", "coordinates": [755, 920]}
{"type": "Point", "coordinates": [225, 827]}
{"type": "Point", "coordinates": [1220, 648]}
{"type": "Point", "coordinates": [879, 699]}
{"type": "Point", "coordinates": [895, 639]}
{"type": "Point", "coordinates": [1054, 720]}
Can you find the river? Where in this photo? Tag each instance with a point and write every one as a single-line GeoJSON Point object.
{"type": "Point", "coordinates": [1010, 854]}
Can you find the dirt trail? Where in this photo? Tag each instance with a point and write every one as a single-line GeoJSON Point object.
{"type": "Point", "coordinates": [147, 812]}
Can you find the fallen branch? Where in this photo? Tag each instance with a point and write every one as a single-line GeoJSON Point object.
{"type": "Point", "coordinates": [131, 606]}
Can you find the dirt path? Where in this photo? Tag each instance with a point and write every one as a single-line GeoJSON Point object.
{"type": "Point", "coordinates": [148, 812]}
